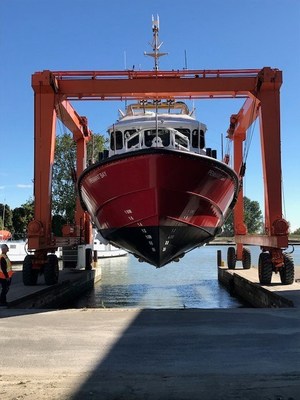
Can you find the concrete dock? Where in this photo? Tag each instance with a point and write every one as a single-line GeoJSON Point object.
{"type": "Point", "coordinates": [71, 284]}
{"type": "Point", "coordinates": [130, 354]}
{"type": "Point", "coordinates": [244, 284]}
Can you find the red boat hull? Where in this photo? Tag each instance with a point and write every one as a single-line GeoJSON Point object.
{"type": "Point", "coordinates": [158, 204]}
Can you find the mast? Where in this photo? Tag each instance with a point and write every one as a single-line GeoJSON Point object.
{"type": "Point", "coordinates": [155, 43]}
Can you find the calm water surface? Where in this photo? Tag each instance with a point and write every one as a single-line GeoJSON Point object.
{"type": "Point", "coordinates": [191, 283]}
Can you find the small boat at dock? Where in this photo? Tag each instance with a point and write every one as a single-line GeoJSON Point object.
{"type": "Point", "coordinates": [17, 249]}
{"type": "Point", "coordinates": [105, 249]}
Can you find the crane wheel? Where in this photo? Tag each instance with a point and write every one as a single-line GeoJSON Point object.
{"type": "Point", "coordinates": [287, 272]}
{"type": "Point", "coordinates": [231, 258]}
{"type": "Point", "coordinates": [51, 270]}
{"type": "Point", "coordinates": [88, 259]}
{"type": "Point", "coordinates": [246, 258]}
{"type": "Point", "coordinates": [265, 268]}
{"type": "Point", "coordinates": [30, 275]}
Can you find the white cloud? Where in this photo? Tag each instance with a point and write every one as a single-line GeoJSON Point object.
{"type": "Point", "coordinates": [24, 186]}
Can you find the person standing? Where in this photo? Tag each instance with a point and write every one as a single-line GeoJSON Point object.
{"type": "Point", "coordinates": [5, 273]}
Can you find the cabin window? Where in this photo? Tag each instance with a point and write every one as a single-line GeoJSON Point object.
{"type": "Point", "coordinates": [180, 140]}
{"type": "Point", "coordinates": [184, 131]}
{"type": "Point", "coordinates": [116, 140]}
{"type": "Point", "coordinates": [195, 139]}
{"type": "Point", "coordinates": [132, 137]}
{"type": "Point", "coordinates": [150, 134]}
{"type": "Point", "coordinates": [202, 139]}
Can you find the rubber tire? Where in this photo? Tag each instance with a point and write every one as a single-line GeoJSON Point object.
{"type": "Point", "coordinates": [231, 258]}
{"type": "Point", "coordinates": [88, 259]}
{"type": "Point", "coordinates": [30, 275]}
{"type": "Point", "coordinates": [265, 268]}
{"type": "Point", "coordinates": [287, 272]}
{"type": "Point", "coordinates": [246, 258]}
{"type": "Point", "coordinates": [51, 270]}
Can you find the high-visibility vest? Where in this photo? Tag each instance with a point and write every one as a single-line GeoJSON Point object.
{"type": "Point", "coordinates": [8, 267]}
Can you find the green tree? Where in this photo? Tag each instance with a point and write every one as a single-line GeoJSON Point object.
{"type": "Point", "coordinates": [21, 216]}
{"type": "Point", "coordinates": [296, 232]}
{"type": "Point", "coordinates": [64, 178]}
{"type": "Point", "coordinates": [95, 146]}
{"type": "Point", "coordinates": [57, 223]}
{"type": "Point", "coordinates": [253, 218]}
{"type": "Point", "coordinates": [228, 226]}
{"type": "Point", "coordinates": [6, 218]}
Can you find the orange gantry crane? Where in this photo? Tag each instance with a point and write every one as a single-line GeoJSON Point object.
{"type": "Point", "coordinates": [55, 90]}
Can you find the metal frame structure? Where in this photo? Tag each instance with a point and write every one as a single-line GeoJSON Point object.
{"type": "Point", "coordinates": [54, 90]}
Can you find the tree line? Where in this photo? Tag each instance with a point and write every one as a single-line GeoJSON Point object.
{"type": "Point", "coordinates": [64, 192]}
{"type": "Point", "coordinates": [16, 220]}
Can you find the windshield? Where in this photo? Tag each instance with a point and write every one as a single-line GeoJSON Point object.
{"type": "Point", "coordinates": [150, 134]}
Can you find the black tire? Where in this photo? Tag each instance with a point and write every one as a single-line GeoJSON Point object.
{"type": "Point", "coordinates": [265, 268]}
{"type": "Point", "coordinates": [51, 270]}
{"type": "Point", "coordinates": [88, 259]}
{"type": "Point", "coordinates": [246, 258]}
{"type": "Point", "coordinates": [30, 275]}
{"type": "Point", "coordinates": [287, 271]}
{"type": "Point", "coordinates": [231, 258]}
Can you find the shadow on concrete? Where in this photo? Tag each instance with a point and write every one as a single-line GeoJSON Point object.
{"type": "Point", "coordinates": [8, 312]}
{"type": "Point", "coordinates": [199, 354]}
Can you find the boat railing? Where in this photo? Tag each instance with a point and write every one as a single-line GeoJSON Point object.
{"type": "Point", "coordinates": [133, 141]}
{"type": "Point", "coordinates": [180, 141]}
{"type": "Point", "coordinates": [139, 140]}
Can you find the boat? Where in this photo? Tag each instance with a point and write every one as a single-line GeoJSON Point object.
{"type": "Point", "coordinates": [158, 192]}
{"type": "Point", "coordinates": [105, 249]}
{"type": "Point", "coordinates": [17, 249]}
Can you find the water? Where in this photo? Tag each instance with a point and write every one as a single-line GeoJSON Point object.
{"type": "Point", "coordinates": [191, 283]}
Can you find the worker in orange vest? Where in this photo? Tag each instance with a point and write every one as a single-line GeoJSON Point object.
{"type": "Point", "coordinates": [5, 273]}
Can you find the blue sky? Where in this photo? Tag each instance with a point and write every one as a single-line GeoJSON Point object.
{"type": "Point", "coordinates": [112, 35]}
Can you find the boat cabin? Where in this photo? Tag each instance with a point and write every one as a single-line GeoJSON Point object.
{"type": "Point", "coordinates": [147, 125]}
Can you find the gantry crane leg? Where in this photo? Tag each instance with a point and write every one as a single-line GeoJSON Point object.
{"type": "Point", "coordinates": [275, 238]}
{"type": "Point", "coordinates": [240, 253]}
{"type": "Point", "coordinates": [273, 258]}
{"type": "Point", "coordinates": [39, 230]}
{"type": "Point", "coordinates": [82, 219]}
{"type": "Point", "coordinates": [41, 242]}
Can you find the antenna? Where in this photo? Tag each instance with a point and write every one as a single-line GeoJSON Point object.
{"type": "Point", "coordinates": [155, 43]}
{"type": "Point", "coordinates": [185, 60]}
